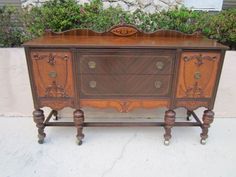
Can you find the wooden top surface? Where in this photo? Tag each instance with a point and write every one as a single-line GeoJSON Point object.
{"type": "Point", "coordinates": [124, 36]}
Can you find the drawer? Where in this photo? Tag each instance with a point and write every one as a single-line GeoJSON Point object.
{"type": "Point", "coordinates": [147, 85]}
{"type": "Point", "coordinates": [124, 85]}
{"type": "Point", "coordinates": [156, 62]}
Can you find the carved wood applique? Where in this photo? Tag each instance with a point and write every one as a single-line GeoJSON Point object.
{"type": "Point", "coordinates": [191, 105]}
{"type": "Point", "coordinates": [56, 105]}
{"type": "Point", "coordinates": [124, 31]}
{"type": "Point", "coordinates": [53, 74]}
{"type": "Point", "coordinates": [55, 90]}
{"type": "Point", "coordinates": [123, 105]}
{"type": "Point", "coordinates": [199, 59]}
{"type": "Point", "coordinates": [197, 74]}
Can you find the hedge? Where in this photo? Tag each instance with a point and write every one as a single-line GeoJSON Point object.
{"type": "Point", "coordinates": [19, 25]}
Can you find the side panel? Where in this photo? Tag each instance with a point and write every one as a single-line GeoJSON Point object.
{"type": "Point", "coordinates": [197, 74]}
{"type": "Point", "coordinates": [53, 77]}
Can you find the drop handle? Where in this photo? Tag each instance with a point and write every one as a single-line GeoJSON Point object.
{"type": "Point", "coordinates": [160, 65]}
{"type": "Point", "coordinates": [157, 84]}
{"type": "Point", "coordinates": [65, 57]}
{"type": "Point", "coordinates": [197, 75]}
{"type": "Point", "coordinates": [92, 64]}
{"type": "Point", "coordinates": [92, 84]}
{"type": "Point", "coordinates": [52, 74]}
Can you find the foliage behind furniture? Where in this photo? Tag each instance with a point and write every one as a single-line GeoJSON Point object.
{"type": "Point", "coordinates": [19, 25]}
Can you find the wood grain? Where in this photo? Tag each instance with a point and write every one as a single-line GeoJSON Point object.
{"type": "Point", "coordinates": [125, 105]}
{"type": "Point", "coordinates": [112, 86]}
{"type": "Point", "coordinates": [85, 38]}
{"type": "Point", "coordinates": [197, 74]}
{"type": "Point", "coordinates": [191, 104]}
{"type": "Point", "coordinates": [124, 69]}
{"type": "Point", "coordinates": [123, 62]}
{"type": "Point", "coordinates": [53, 77]}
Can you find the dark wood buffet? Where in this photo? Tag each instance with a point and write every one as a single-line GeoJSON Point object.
{"type": "Point", "coordinates": [124, 68]}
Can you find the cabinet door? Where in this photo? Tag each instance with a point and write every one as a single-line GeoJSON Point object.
{"type": "Point", "coordinates": [53, 78]}
{"type": "Point", "coordinates": [197, 74]}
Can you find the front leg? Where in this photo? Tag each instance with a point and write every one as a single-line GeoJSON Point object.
{"type": "Point", "coordinates": [169, 123]}
{"type": "Point", "coordinates": [79, 121]}
{"type": "Point", "coordinates": [207, 119]}
{"type": "Point", "coordinates": [39, 120]}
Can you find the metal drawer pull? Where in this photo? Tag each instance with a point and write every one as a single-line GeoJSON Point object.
{"type": "Point", "coordinates": [158, 84]}
{"type": "Point", "coordinates": [92, 84]}
{"type": "Point", "coordinates": [160, 65]}
{"type": "Point", "coordinates": [66, 57]}
{"type": "Point", "coordinates": [52, 74]}
{"type": "Point", "coordinates": [197, 75]}
{"type": "Point", "coordinates": [92, 64]}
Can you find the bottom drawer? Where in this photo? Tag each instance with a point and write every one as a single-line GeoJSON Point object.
{"type": "Point", "coordinates": [124, 85]}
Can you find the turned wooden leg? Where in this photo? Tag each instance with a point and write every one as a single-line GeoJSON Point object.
{"type": "Point", "coordinates": [169, 123]}
{"type": "Point", "coordinates": [188, 115]}
{"type": "Point", "coordinates": [39, 120]}
{"type": "Point", "coordinates": [207, 119]}
{"type": "Point", "coordinates": [79, 120]}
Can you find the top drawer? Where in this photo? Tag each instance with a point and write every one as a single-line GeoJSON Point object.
{"type": "Point", "coordinates": [126, 62]}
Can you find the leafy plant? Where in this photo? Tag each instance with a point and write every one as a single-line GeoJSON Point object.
{"type": "Point", "coordinates": [221, 26]}
{"type": "Point", "coordinates": [61, 15]}
{"type": "Point", "coordinates": [11, 32]}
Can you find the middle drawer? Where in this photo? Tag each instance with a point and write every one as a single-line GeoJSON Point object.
{"type": "Point", "coordinates": [160, 63]}
{"type": "Point", "coordinates": [124, 85]}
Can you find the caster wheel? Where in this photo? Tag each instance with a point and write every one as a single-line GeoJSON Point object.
{"type": "Point", "coordinates": [79, 142]}
{"type": "Point", "coordinates": [41, 138]}
{"type": "Point", "coordinates": [40, 141]}
{"type": "Point", "coordinates": [55, 118]}
{"type": "Point", "coordinates": [166, 142]}
{"type": "Point", "coordinates": [203, 141]}
{"type": "Point", "coordinates": [189, 118]}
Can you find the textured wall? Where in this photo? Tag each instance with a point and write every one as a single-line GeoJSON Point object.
{"type": "Point", "coordinates": [150, 6]}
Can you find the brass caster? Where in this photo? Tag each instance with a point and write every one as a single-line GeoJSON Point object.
{"type": "Point", "coordinates": [79, 142]}
{"type": "Point", "coordinates": [55, 114]}
{"type": "Point", "coordinates": [55, 118]}
{"type": "Point", "coordinates": [41, 138]}
{"type": "Point", "coordinates": [203, 141]}
{"type": "Point", "coordinates": [189, 118]}
{"type": "Point", "coordinates": [166, 142]}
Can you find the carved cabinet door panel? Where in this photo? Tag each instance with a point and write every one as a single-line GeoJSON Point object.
{"type": "Point", "coordinates": [53, 78]}
{"type": "Point", "coordinates": [197, 74]}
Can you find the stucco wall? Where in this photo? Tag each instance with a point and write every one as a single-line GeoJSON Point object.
{"type": "Point", "coordinates": [150, 6]}
{"type": "Point", "coordinates": [16, 100]}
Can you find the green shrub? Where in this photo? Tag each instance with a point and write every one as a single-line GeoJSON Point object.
{"type": "Point", "coordinates": [221, 26]}
{"type": "Point", "coordinates": [11, 31]}
{"type": "Point", "coordinates": [61, 15]}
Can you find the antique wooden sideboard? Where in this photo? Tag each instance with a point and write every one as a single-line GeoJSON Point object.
{"type": "Point", "coordinates": [124, 68]}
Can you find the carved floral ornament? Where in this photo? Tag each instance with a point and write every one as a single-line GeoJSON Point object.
{"type": "Point", "coordinates": [55, 90]}
{"type": "Point", "coordinates": [199, 59]}
{"type": "Point", "coordinates": [124, 105]}
{"type": "Point", "coordinates": [124, 31]}
{"type": "Point", "coordinates": [51, 57]}
{"type": "Point", "coordinates": [194, 91]}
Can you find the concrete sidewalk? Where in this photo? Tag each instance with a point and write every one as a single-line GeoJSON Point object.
{"type": "Point", "coordinates": [116, 152]}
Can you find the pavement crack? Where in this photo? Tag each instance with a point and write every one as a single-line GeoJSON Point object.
{"type": "Point", "coordinates": [120, 156]}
